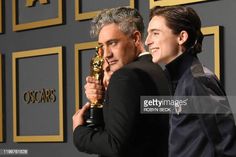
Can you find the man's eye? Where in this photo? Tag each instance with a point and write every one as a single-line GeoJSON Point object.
{"type": "Point", "coordinates": [113, 43]}
{"type": "Point", "coordinates": [155, 33]}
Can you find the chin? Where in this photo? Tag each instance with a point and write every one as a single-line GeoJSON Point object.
{"type": "Point", "coordinates": [155, 60]}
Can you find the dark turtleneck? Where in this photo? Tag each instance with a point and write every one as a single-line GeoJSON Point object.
{"type": "Point", "coordinates": [177, 67]}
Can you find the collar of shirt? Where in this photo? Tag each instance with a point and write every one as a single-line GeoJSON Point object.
{"type": "Point", "coordinates": [144, 53]}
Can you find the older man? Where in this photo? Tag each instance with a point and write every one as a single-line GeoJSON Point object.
{"type": "Point", "coordinates": [126, 131]}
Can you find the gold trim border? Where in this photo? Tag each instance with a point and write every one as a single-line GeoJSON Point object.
{"type": "Point", "coordinates": [36, 53]}
{"type": "Point", "coordinates": [79, 47]}
{"type": "Point", "coordinates": [1, 108]}
{"type": "Point", "coordinates": [91, 14]}
{"type": "Point", "coordinates": [31, 25]}
{"type": "Point", "coordinates": [153, 3]}
{"type": "Point", "coordinates": [215, 31]}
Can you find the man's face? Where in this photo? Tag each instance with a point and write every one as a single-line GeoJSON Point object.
{"type": "Point", "coordinates": [119, 49]}
{"type": "Point", "coordinates": [162, 43]}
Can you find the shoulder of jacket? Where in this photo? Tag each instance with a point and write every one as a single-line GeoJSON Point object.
{"type": "Point", "coordinates": [124, 73]}
{"type": "Point", "coordinates": [203, 75]}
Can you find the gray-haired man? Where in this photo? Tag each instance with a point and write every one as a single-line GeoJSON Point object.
{"type": "Point", "coordinates": [126, 132]}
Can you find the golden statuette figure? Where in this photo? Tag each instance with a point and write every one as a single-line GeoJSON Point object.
{"type": "Point", "coordinates": [96, 71]}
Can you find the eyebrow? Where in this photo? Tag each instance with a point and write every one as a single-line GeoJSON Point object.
{"type": "Point", "coordinates": [109, 41]}
{"type": "Point", "coordinates": [154, 29]}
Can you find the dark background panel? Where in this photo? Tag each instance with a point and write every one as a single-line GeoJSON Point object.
{"type": "Point", "coordinates": [37, 74]}
{"type": "Point", "coordinates": [37, 12]}
{"type": "Point", "coordinates": [207, 54]}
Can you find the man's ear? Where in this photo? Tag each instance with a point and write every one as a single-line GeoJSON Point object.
{"type": "Point", "coordinates": [137, 37]}
{"type": "Point", "coordinates": [183, 37]}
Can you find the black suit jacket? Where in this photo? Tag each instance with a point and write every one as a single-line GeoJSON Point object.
{"type": "Point", "coordinates": [127, 132]}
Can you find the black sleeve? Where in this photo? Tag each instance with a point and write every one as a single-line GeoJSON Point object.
{"type": "Point", "coordinates": [123, 109]}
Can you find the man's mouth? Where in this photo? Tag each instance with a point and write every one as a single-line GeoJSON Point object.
{"type": "Point", "coordinates": [153, 50]}
{"type": "Point", "coordinates": [112, 62]}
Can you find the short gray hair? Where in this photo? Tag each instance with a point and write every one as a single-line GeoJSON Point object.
{"type": "Point", "coordinates": [128, 20]}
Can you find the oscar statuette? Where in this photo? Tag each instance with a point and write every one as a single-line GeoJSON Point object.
{"type": "Point", "coordinates": [96, 71]}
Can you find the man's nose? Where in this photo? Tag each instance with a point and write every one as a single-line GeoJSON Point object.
{"type": "Point", "coordinates": [107, 52]}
